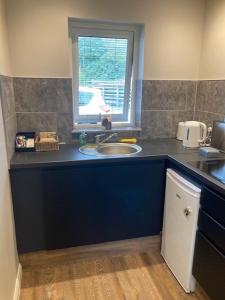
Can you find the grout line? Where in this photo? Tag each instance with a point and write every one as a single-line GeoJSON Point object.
{"type": "Point", "coordinates": [186, 96]}
{"type": "Point", "coordinates": [209, 112]}
{"type": "Point", "coordinates": [33, 77]}
{"type": "Point", "coordinates": [167, 110]}
{"type": "Point", "coordinates": [55, 112]}
{"type": "Point", "coordinates": [37, 112]}
{"type": "Point", "coordinates": [195, 102]}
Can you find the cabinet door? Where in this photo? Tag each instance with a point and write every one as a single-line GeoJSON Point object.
{"type": "Point", "coordinates": [28, 208]}
{"type": "Point", "coordinates": [213, 204]}
{"type": "Point", "coordinates": [86, 205]}
{"type": "Point", "coordinates": [209, 267]}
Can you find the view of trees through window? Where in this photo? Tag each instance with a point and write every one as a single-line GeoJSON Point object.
{"type": "Point", "coordinates": [102, 73]}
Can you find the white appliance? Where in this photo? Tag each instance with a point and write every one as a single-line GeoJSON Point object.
{"type": "Point", "coordinates": [180, 131]}
{"type": "Point", "coordinates": [179, 227]}
{"type": "Point", "coordinates": [194, 134]}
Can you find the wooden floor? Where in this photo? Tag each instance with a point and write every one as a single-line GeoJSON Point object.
{"type": "Point", "coordinates": [130, 269]}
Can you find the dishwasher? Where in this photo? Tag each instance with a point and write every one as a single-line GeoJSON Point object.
{"type": "Point", "coordinates": [181, 209]}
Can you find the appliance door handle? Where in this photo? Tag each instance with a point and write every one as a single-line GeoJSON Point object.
{"type": "Point", "coordinates": [203, 132]}
{"type": "Point", "coordinates": [188, 133]}
{"type": "Point", "coordinates": [187, 211]}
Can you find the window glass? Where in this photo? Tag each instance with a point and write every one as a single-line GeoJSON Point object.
{"type": "Point", "coordinates": [102, 74]}
{"type": "Point", "coordinates": [107, 64]}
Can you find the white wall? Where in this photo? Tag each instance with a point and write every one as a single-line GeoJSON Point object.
{"type": "Point", "coordinates": [38, 34]}
{"type": "Point", "coordinates": [4, 50]}
{"type": "Point", "coordinates": [8, 253]}
{"type": "Point", "coordinates": [213, 46]}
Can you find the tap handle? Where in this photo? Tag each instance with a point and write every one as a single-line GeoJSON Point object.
{"type": "Point", "coordinates": [98, 136]}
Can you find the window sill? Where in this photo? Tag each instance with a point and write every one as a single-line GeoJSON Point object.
{"type": "Point", "coordinates": [100, 130]}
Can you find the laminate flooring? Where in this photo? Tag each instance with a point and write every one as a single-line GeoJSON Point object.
{"type": "Point", "coordinates": [131, 270]}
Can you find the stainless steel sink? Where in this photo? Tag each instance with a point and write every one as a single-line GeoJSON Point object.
{"type": "Point", "coordinates": [111, 149]}
{"type": "Point", "coordinates": [118, 149]}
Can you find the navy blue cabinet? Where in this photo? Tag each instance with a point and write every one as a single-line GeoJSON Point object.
{"type": "Point", "coordinates": [209, 256]}
{"type": "Point", "coordinates": [209, 267]}
{"type": "Point", "coordinates": [69, 206]}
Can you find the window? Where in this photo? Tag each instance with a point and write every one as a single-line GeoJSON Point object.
{"type": "Point", "coordinates": [103, 71]}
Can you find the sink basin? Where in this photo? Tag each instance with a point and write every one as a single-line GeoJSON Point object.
{"type": "Point", "coordinates": [111, 149]}
{"type": "Point", "coordinates": [118, 149]}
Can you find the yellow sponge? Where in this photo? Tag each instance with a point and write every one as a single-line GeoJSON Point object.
{"type": "Point", "coordinates": [128, 140]}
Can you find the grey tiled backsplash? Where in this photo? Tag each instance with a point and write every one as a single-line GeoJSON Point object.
{"type": "Point", "coordinates": [37, 121]}
{"type": "Point", "coordinates": [208, 117]}
{"type": "Point", "coordinates": [210, 101]}
{"type": "Point", "coordinates": [8, 112]}
{"type": "Point", "coordinates": [162, 124]}
{"type": "Point", "coordinates": [164, 104]}
{"type": "Point", "coordinates": [164, 95]}
{"type": "Point", "coordinates": [43, 95]}
{"type": "Point", "coordinates": [46, 104]}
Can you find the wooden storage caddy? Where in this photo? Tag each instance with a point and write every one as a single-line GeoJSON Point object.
{"type": "Point", "coordinates": [47, 146]}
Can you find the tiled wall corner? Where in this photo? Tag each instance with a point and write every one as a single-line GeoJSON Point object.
{"type": "Point", "coordinates": [210, 101]}
{"type": "Point", "coordinates": [8, 112]}
{"type": "Point", "coordinates": [44, 104]}
{"type": "Point", "coordinates": [164, 104]}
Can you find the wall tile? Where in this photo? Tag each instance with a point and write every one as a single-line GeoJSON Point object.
{"type": "Point", "coordinates": [64, 96]}
{"type": "Point", "coordinates": [10, 133]}
{"type": "Point", "coordinates": [138, 103]}
{"type": "Point", "coordinates": [163, 124]}
{"type": "Point", "coordinates": [216, 97]}
{"type": "Point", "coordinates": [164, 95]}
{"type": "Point", "coordinates": [208, 117]}
{"type": "Point", "coordinates": [165, 103]}
{"type": "Point", "coordinates": [202, 96]}
{"type": "Point", "coordinates": [43, 95]}
{"type": "Point", "coordinates": [147, 87]}
{"type": "Point", "coordinates": [7, 96]}
{"type": "Point", "coordinates": [191, 91]}
{"type": "Point", "coordinates": [44, 105]}
{"type": "Point", "coordinates": [34, 95]}
{"type": "Point", "coordinates": [8, 112]}
{"type": "Point", "coordinates": [156, 124]}
{"type": "Point", "coordinates": [36, 122]}
{"type": "Point", "coordinates": [180, 116]}
{"type": "Point", "coordinates": [65, 127]}
{"type": "Point", "coordinates": [210, 101]}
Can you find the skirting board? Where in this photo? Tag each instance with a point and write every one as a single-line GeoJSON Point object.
{"type": "Point", "coordinates": [16, 295]}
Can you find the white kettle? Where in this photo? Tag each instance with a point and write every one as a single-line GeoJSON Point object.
{"type": "Point", "coordinates": [194, 134]}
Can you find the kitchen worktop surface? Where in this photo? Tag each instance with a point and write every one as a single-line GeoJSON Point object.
{"type": "Point", "coordinates": [69, 155]}
{"type": "Point", "coordinates": [182, 161]}
{"type": "Point", "coordinates": [170, 149]}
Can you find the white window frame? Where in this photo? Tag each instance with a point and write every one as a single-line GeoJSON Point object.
{"type": "Point", "coordinates": [80, 27]}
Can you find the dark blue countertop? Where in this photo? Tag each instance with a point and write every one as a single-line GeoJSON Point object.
{"type": "Point", "coordinates": [182, 161]}
{"type": "Point", "coordinates": [68, 155]}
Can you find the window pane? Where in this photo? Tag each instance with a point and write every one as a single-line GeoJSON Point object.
{"type": "Point", "coordinates": [102, 72]}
